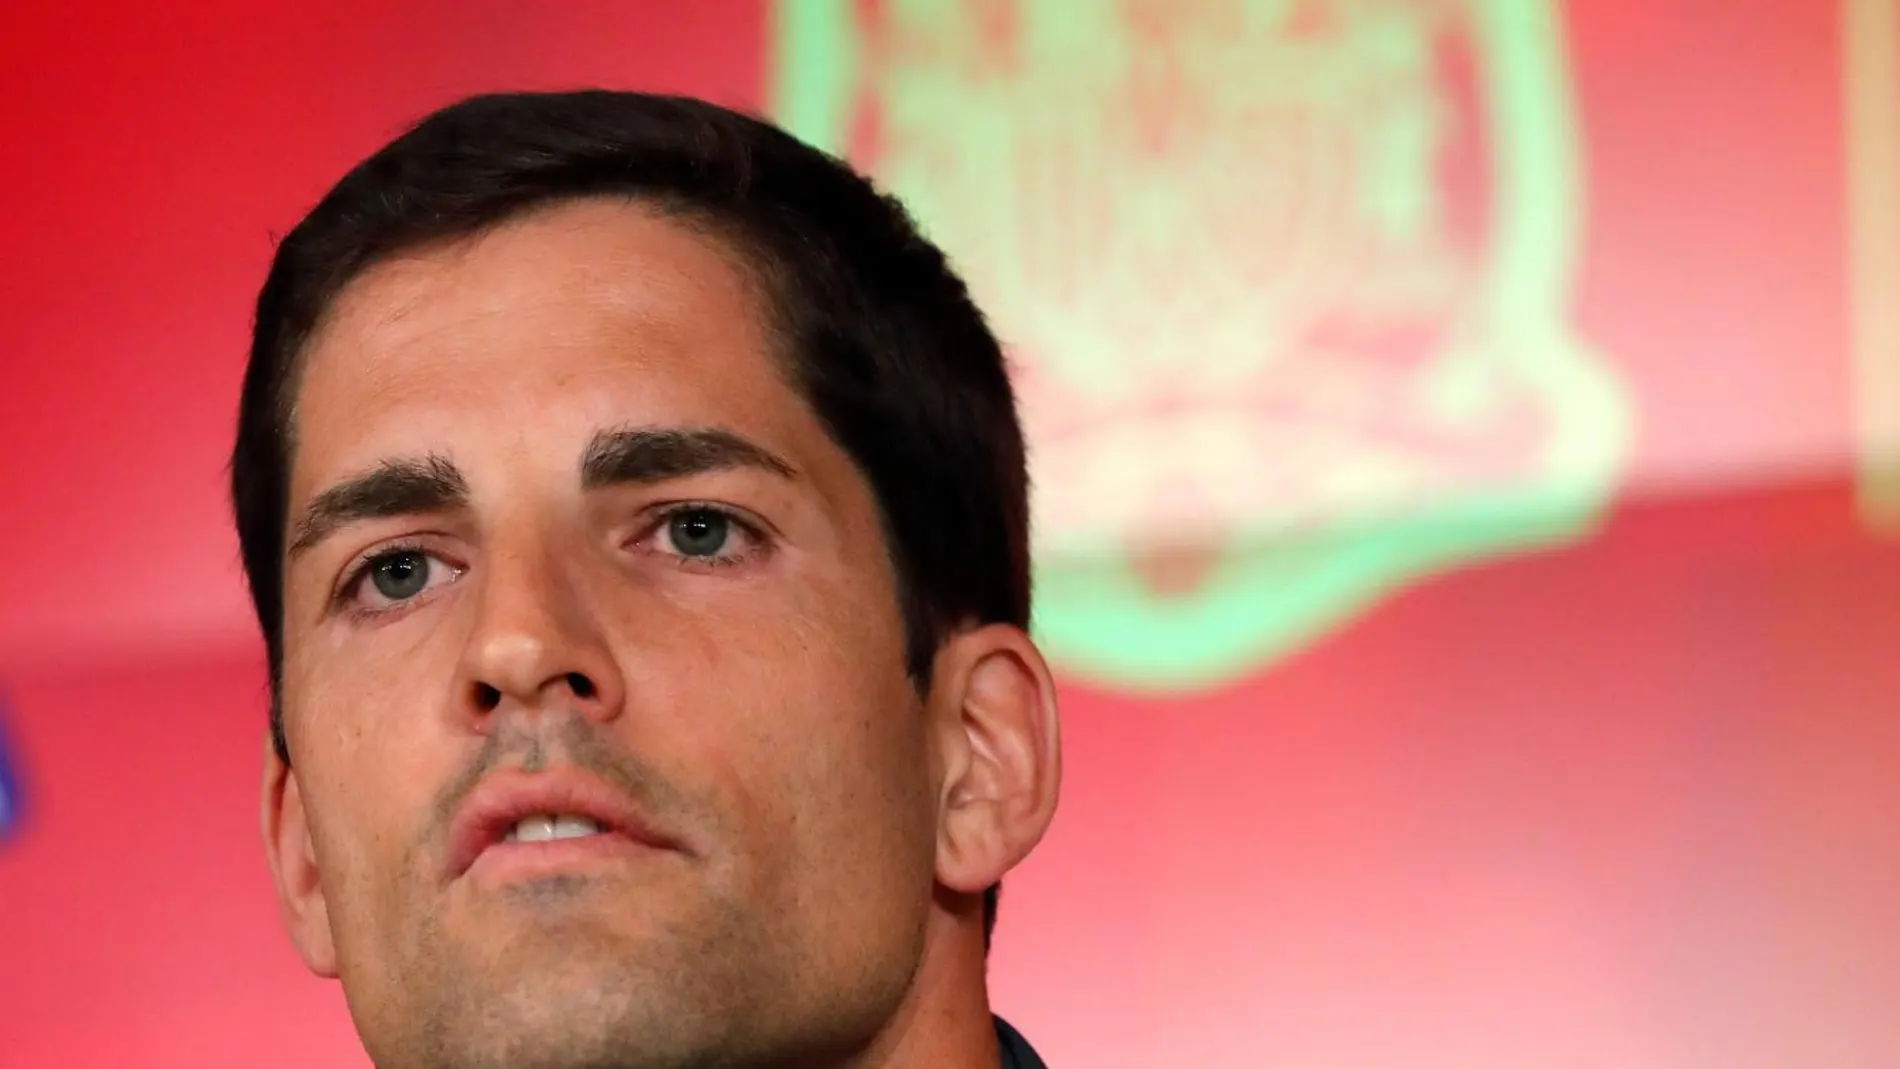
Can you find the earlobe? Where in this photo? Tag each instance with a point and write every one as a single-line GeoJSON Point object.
{"type": "Point", "coordinates": [293, 866]}
{"type": "Point", "coordinates": [1003, 767]}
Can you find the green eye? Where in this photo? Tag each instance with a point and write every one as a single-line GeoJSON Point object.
{"type": "Point", "coordinates": [401, 575]}
{"type": "Point", "coordinates": [699, 532]}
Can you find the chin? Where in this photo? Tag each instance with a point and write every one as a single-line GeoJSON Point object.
{"type": "Point", "coordinates": [563, 1006]}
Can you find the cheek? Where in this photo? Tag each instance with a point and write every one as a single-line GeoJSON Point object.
{"type": "Point", "coordinates": [835, 745]}
{"type": "Point", "coordinates": [357, 720]}
{"type": "Point", "coordinates": [789, 703]}
{"type": "Point", "coordinates": [370, 694]}
{"type": "Point", "coordinates": [808, 681]}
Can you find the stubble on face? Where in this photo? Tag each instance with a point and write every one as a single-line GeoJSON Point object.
{"type": "Point", "coordinates": [653, 1007]}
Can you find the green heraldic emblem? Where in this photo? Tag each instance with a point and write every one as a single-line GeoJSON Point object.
{"type": "Point", "coordinates": [1870, 47]}
{"type": "Point", "coordinates": [1284, 285]}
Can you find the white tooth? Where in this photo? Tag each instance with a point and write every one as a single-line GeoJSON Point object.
{"type": "Point", "coordinates": [545, 827]}
{"type": "Point", "coordinates": [572, 827]}
{"type": "Point", "coordinates": [535, 829]}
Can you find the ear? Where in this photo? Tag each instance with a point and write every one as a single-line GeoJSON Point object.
{"type": "Point", "coordinates": [993, 709]}
{"type": "Point", "coordinates": [293, 866]}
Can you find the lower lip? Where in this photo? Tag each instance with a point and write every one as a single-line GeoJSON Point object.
{"type": "Point", "coordinates": [516, 861]}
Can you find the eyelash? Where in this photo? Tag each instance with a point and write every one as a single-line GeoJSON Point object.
{"type": "Point", "coordinates": [358, 574]}
{"type": "Point", "coordinates": [348, 590]}
{"type": "Point", "coordinates": [749, 530]}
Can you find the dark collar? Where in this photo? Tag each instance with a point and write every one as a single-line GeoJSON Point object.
{"type": "Point", "coordinates": [1017, 1053]}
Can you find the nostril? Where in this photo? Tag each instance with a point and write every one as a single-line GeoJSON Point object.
{"type": "Point", "coordinates": [487, 697]}
{"type": "Point", "coordinates": [582, 686]}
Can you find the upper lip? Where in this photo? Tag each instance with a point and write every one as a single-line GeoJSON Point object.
{"type": "Point", "coordinates": [504, 798]}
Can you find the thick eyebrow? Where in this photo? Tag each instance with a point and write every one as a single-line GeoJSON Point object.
{"type": "Point", "coordinates": [394, 488]}
{"type": "Point", "coordinates": [650, 455]}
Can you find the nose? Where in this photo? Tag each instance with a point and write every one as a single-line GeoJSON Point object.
{"type": "Point", "coordinates": [536, 645]}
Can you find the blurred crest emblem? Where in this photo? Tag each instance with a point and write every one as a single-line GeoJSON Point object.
{"type": "Point", "coordinates": [1871, 67]}
{"type": "Point", "coordinates": [1284, 286]}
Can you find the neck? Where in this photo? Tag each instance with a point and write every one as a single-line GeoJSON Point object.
{"type": "Point", "coordinates": [944, 1020]}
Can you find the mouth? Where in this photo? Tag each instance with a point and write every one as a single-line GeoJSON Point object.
{"type": "Point", "coordinates": [523, 826]}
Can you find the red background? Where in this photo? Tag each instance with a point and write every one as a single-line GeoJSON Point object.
{"type": "Point", "coordinates": [1629, 803]}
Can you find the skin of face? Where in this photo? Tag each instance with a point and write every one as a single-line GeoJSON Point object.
{"type": "Point", "coordinates": [717, 642]}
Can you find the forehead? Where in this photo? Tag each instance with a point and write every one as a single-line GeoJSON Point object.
{"type": "Point", "coordinates": [573, 317]}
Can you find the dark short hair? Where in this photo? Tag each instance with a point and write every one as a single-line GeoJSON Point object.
{"type": "Point", "coordinates": [881, 336]}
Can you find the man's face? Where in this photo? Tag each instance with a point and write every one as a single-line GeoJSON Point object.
{"type": "Point", "coordinates": [564, 541]}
